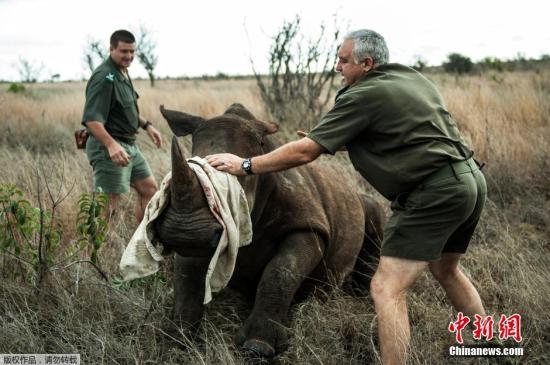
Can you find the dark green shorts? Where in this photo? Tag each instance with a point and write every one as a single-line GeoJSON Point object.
{"type": "Point", "coordinates": [440, 215]}
{"type": "Point", "coordinates": [110, 177]}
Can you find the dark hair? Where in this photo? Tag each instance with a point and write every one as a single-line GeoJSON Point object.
{"type": "Point", "coordinates": [121, 36]}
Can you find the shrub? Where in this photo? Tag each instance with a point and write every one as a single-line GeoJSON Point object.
{"type": "Point", "coordinates": [16, 88]}
{"type": "Point", "coordinates": [492, 63]}
{"type": "Point", "coordinates": [457, 63]}
{"type": "Point", "coordinates": [32, 235]}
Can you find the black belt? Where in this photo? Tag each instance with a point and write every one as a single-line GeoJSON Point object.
{"type": "Point", "coordinates": [129, 139]}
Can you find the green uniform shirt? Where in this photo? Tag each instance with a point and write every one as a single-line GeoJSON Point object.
{"type": "Point", "coordinates": [111, 100]}
{"type": "Point", "coordinates": [395, 128]}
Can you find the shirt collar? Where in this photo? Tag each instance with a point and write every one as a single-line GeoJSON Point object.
{"type": "Point", "coordinates": [363, 78]}
{"type": "Point", "coordinates": [119, 73]}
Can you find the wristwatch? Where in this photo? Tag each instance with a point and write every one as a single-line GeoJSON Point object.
{"type": "Point", "coordinates": [146, 124]}
{"type": "Point", "coordinates": [246, 166]}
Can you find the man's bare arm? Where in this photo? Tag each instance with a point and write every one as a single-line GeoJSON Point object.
{"type": "Point", "coordinates": [290, 155]}
{"type": "Point", "coordinates": [153, 133]}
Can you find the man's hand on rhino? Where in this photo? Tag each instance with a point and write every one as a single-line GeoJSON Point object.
{"type": "Point", "coordinates": [226, 162]}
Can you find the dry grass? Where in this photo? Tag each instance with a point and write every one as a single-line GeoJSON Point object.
{"type": "Point", "coordinates": [505, 118]}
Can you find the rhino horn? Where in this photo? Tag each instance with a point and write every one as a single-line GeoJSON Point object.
{"type": "Point", "coordinates": [181, 123]}
{"type": "Point", "coordinates": [186, 192]}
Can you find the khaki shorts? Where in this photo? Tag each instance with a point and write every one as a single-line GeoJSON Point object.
{"type": "Point", "coordinates": [440, 215]}
{"type": "Point", "coordinates": [110, 177]}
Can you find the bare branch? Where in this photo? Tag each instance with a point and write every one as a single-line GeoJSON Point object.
{"type": "Point", "coordinates": [103, 275]}
{"type": "Point", "coordinates": [94, 53]}
{"type": "Point", "coordinates": [29, 71]}
{"type": "Point", "coordinates": [146, 52]}
{"type": "Point", "coordinates": [301, 75]}
{"type": "Point", "coordinates": [17, 257]}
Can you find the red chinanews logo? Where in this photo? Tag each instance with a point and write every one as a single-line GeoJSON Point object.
{"type": "Point", "coordinates": [508, 327]}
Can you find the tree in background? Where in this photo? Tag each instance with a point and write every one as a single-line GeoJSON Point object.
{"type": "Point", "coordinates": [457, 63]}
{"type": "Point", "coordinates": [146, 52]}
{"type": "Point", "coordinates": [29, 71]}
{"type": "Point", "coordinates": [492, 63]}
{"type": "Point", "coordinates": [94, 53]}
{"type": "Point", "coordinates": [54, 77]}
{"type": "Point", "coordinates": [301, 74]}
{"type": "Point", "coordinates": [420, 63]}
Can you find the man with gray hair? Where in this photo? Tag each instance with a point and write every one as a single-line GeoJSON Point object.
{"type": "Point", "coordinates": [403, 141]}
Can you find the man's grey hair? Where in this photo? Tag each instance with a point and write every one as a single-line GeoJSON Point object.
{"type": "Point", "coordinates": [368, 43]}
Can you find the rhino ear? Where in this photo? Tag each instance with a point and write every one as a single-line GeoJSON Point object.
{"type": "Point", "coordinates": [270, 127]}
{"type": "Point", "coordinates": [181, 123]}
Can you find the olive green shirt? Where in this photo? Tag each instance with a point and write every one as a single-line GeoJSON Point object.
{"type": "Point", "coordinates": [112, 100]}
{"type": "Point", "coordinates": [395, 127]}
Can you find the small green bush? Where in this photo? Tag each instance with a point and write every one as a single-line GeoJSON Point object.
{"type": "Point", "coordinates": [91, 224]}
{"type": "Point", "coordinates": [457, 63]}
{"type": "Point", "coordinates": [32, 235]}
{"type": "Point", "coordinates": [16, 88]}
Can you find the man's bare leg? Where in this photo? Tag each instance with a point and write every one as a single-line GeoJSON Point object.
{"type": "Point", "coordinates": [145, 188]}
{"type": "Point", "coordinates": [389, 291]}
{"type": "Point", "coordinates": [460, 290]}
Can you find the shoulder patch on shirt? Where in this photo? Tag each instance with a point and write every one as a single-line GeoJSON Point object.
{"type": "Point", "coordinates": [110, 76]}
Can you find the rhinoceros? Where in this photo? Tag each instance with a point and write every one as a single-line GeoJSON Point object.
{"type": "Point", "coordinates": [310, 226]}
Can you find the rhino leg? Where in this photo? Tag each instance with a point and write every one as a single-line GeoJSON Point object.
{"type": "Point", "coordinates": [189, 274]}
{"type": "Point", "coordinates": [368, 258]}
{"type": "Point", "coordinates": [263, 334]}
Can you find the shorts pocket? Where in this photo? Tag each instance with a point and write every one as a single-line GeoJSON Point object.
{"type": "Point", "coordinates": [405, 201]}
{"type": "Point", "coordinates": [95, 150]}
